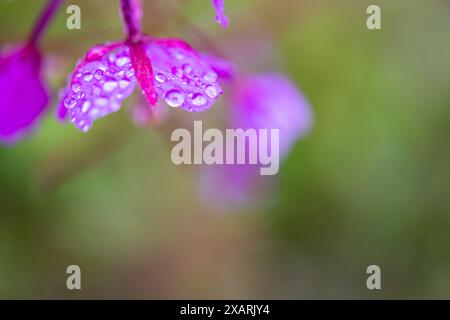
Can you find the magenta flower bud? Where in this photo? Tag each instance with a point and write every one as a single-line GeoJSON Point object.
{"type": "Point", "coordinates": [221, 18]}
{"type": "Point", "coordinates": [24, 97]}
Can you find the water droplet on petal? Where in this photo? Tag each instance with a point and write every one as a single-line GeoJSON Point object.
{"type": "Point", "coordinates": [85, 107]}
{"type": "Point", "coordinates": [210, 76]}
{"type": "Point", "coordinates": [101, 102]}
{"type": "Point", "coordinates": [110, 85]}
{"type": "Point", "coordinates": [130, 73]}
{"type": "Point", "coordinates": [122, 61]}
{"type": "Point", "coordinates": [177, 72]}
{"type": "Point", "coordinates": [76, 87]}
{"type": "Point", "coordinates": [187, 68]}
{"type": "Point", "coordinates": [198, 100]}
{"type": "Point", "coordinates": [124, 84]}
{"type": "Point", "coordinates": [160, 77]}
{"type": "Point", "coordinates": [98, 74]}
{"type": "Point", "coordinates": [88, 76]}
{"type": "Point", "coordinates": [70, 102]}
{"type": "Point", "coordinates": [174, 98]}
{"type": "Point", "coordinates": [212, 92]}
{"type": "Point", "coordinates": [177, 54]}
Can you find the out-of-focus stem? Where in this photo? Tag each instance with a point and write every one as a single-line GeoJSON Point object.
{"type": "Point", "coordinates": [132, 16]}
{"type": "Point", "coordinates": [43, 20]}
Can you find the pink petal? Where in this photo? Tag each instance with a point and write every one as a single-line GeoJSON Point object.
{"type": "Point", "coordinates": [24, 97]}
{"type": "Point", "coordinates": [99, 85]}
{"type": "Point", "coordinates": [271, 101]}
{"type": "Point", "coordinates": [182, 77]}
{"type": "Point", "coordinates": [225, 69]}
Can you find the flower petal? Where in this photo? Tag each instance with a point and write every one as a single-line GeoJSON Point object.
{"type": "Point", "coordinates": [225, 69]}
{"type": "Point", "coordinates": [264, 101]}
{"type": "Point", "coordinates": [100, 83]}
{"type": "Point", "coordinates": [24, 97]}
{"type": "Point", "coordinates": [182, 77]}
{"type": "Point", "coordinates": [271, 101]}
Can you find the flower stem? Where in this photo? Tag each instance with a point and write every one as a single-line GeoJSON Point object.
{"type": "Point", "coordinates": [132, 16]}
{"type": "Point", "coordinates": [44, 19]}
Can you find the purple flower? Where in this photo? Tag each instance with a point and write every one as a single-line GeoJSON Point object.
{"type": "Point", "coordinates": [221, 18]}
{"type": "Point", "coordinates": [271, 101]}
{"type": "Point", "coordinates": [24, 97]}
{"type": "Point", "coordinates": [264, 101]}
{"type": "Point", "coordinates": [164, 68]}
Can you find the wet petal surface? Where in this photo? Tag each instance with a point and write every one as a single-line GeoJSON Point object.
{"type": "Point", "coordinates": [182, 77]}
{"type": "Point", "coordinates": [99, 85]}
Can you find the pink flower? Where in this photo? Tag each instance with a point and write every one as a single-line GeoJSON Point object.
{"type": "Point", "coordinates": [24, 97]}
{"type": "Point", "coordinates": [168, 69]}
{"type": "Point", "coordinates": [263, 101]}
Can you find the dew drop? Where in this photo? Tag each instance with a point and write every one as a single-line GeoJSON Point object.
{"type": "Point", "coordinates": [210, 76]}
{"type": "Point", "coordinates": [130, 73]}
{"type": "Point", "coordinates": [177, 72]}
{"type": "Point", "coordinates": [110, 85]}
{"type": "Point", "coordinates": [122, 61]}
{"type": "Point", "coordinates": [101, 102]}
{"type": "Point", "coordinates": [85, 107]}
{"type": "Point", "coordinates": [76, 87]}
{"type": "Point", "coordinates": [198, 100]}
{"type": "Point", "coordinates": [112, 58]}
{"type": "Point", "coordinates": [178, 54]}
{"type": "Point", "coordinates": [211, 91]}
{"type": "Point", "coordinates": [123, 84]}
{"type": "Point", "coordinates": [160, 77]}
{"type": "Point", "coordinates": [70, 102]}
{"type": "Point", "coordinates": [187, 68]}
{"type": "Point", "coordinates": [174, 98]}
{"type": "Point", "coordinates": [88, 77]}
{"type": "Point", "coordinates": [98, 74]}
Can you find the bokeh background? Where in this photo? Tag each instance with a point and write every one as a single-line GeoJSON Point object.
{"type": "Point", "coordinates": [369, 185]}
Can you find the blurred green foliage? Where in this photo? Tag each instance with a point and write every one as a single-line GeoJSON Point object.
{"type": "Point", "coordinates": [369, 185]}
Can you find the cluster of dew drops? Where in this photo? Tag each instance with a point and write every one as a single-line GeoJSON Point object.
{"type": "Point", "coordinates": [184, 80]}
{"type": "Point", "coordinates": [98, 88]}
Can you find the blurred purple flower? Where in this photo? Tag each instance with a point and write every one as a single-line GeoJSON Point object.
{"type": "Point", "coordinates": [271, 101]}
{"type": "Point", "coordinates": [264, 101]}
{"type": "Point", "coordinates": [166, 68]}
{"type": "Point", "coordinates": [221, 18]}
{"type": "Point", "coordinates": [24, 97]}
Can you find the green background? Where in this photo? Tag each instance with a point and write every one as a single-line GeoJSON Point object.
{"type": "Point", "coordinates": [369, 185]}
